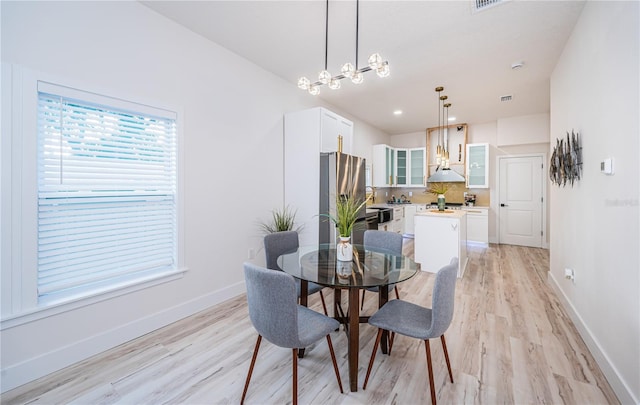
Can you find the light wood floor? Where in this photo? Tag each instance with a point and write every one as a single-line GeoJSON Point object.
{"type": "Point", "coordinates": [510, 342]}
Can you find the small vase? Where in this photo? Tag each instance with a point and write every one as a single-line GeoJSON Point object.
{"type": "Point", "coordinates": [344, 249]}
{"type": "Point", "coordinates": [440, 202]}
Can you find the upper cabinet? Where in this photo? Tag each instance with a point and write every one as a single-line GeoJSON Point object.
{"type": "Point", "coordinates": [317, 130]}
{"type": "Point", "coordinates": [399, 167]}
{"type": "Point", "coordinates": [454, 138]}
{"type": "Point", "coordinates": [477, 165]}
{"type": "Point", "coordinates": [383, 165]}
{"type": "Point", "coordinates": [334, 128]}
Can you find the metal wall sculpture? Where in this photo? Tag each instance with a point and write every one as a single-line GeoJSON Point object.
{"type": "Point", "coordinates": [566, 160]}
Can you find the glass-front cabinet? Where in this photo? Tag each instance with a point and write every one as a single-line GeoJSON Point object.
{"type": "Point", "coordinates": [477, 165]}
{"type": "Point", "coordinates": [400, 167]}
{"type": "Point", "coordinates": [417, 159]}
{"type": "Point", "coordinates": [383, 167]}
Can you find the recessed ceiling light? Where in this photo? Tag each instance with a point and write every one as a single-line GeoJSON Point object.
{"type": "Point", "coordinates": [397, 112]}
{"type": "Point", "coordinates": [452, 118]}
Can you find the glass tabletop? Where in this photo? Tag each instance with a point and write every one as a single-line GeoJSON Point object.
{"type": "Point", "coordinates": [369, 267]}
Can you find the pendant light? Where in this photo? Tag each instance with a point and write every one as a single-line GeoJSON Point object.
{"type": "Point", "coordinates": [438, 147]}
{"type": "Point", "coordinates": [446, 142]}
{"type": "Point", "coordinates": [348, 71]}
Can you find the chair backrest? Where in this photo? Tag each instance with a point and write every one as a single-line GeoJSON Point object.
{"type": "Point", "coordinates": [279, 243]}
{"type": "Point", "coordinates": [444, 290]}
{"type": "Point", "coordinates": [273, 305]}
{"type": "Point", "coordinates": [383, 241]}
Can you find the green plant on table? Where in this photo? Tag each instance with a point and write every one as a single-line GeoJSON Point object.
{"type": "Point", "coordinates": [346, 214]}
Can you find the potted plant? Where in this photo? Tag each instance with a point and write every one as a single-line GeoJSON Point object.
{"type": "Point", "coordinates": [281, 220]}
{"type": "Point", "coordinates": [344, 218]}
{"type": "Point", "coordinates": [438, 189]}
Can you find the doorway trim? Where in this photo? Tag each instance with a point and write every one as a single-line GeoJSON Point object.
{"type": "Point", "coordinates": [545, 235]}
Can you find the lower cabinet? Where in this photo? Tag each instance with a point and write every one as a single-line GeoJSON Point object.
{"type": "Point", "coordinates": [477, 225]}
{"type": "Point", "coordinates": [438, 238]}
{"type": "Point", "coordinates": [398, 220]}
{"type": "Point", "coordinates": [409, 213]}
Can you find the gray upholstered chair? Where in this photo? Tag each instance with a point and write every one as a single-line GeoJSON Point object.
{"type": "Point", "coordinates": [276, 315]}
{"type": "Point", "coordinates": [279, 243]}
{"type": "Point", "coordinates": [382, 241]}
{"type": "Point", "coordinates": [412, 320]}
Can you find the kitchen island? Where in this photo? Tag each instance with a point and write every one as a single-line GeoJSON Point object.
{"type": "Point", "coordinates": [440, 236]}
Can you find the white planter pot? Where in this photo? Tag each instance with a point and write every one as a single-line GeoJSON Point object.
{"type": "Point", "coordinates": [344, 249]}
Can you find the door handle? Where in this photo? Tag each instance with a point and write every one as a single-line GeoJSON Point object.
{"type": "Point", "coordinates": [503, 205]}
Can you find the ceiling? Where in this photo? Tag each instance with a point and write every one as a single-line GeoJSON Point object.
{"type": "Point", "coordinates": [427, 43]}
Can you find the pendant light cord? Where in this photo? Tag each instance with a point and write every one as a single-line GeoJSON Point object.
{"type": "Point", "coordinates": [326, 35]}
{"type": "Point", "coordinates": [357, 29]}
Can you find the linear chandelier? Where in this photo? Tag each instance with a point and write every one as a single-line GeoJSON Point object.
{"type": "Point", "coordinates": [348, 71]}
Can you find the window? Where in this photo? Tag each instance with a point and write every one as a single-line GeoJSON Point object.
{"type": "Point", "coordinates": [107, 204]}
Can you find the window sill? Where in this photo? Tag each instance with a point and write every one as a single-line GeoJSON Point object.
{"type": "Point", "coordinates": [61, 305]}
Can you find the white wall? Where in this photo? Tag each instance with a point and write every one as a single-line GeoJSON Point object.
{"type": "Point", "coordinates": [595, 224]}
{"type": "Point", "coordinates": [233, 124]}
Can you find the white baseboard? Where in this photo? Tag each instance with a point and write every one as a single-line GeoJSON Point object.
{"type": "Point", "coordinates": [40, 366]}
{"type": "Point", "coordinates": [622, 390]}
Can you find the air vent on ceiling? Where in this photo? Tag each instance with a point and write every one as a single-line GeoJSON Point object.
{"type": "Point", "coordinates": [480, 5]}
{"type": "Point", "coordinates": [506, 98]}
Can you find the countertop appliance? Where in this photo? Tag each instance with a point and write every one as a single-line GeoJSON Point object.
{"type": "Point", "coordinates": [341, 175]}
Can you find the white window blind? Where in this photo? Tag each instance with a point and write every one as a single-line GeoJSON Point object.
{"type": "Point", "coordinates": [106, 192]}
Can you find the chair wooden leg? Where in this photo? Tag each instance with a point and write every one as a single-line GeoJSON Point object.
{"type": "Point", "coordinates": [393, 335]}
{"type": "Point", "coordinates": [295, 377]}
{"type": "Point", "coordinates": [395, 288]}
{"type": "Point", "coordinates": [430, 369]}
{"type": "Point", "coordinates": [253, 362]}
{"type": "Point", "coordinates": [324, 306]}
{"type": "Point", "coordinates": [373, 356]}
{"type": "Point", "coordinates": [335, 364]}
{"type": "Point", "coordinates": [446, 357]}
{"type": "Point", "coordinates": [362, 304]}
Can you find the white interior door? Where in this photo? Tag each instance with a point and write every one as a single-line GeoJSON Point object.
{"type": "Point", "coordinates": [520, 205]}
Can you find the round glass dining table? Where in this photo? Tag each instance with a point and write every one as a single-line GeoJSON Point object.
{"type": "Point", "coordinates": [370, 267]}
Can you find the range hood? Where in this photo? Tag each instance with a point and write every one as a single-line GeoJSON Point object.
{"type": "Point", "coordinates": [445, 176]}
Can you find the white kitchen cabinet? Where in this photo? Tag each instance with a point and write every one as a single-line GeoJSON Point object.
{"type": "Point", "coordinates": [477, 170]}
{"type": "Point", "coordinates": [307, 133]}
{"type": "Point", "coordinates": [398, 220]}
{"type": "Point", "coordinates": [409, 214]}
{"type": "Point", "coordinates": [383, 165]}
{"type": "Point", "coordinates": [438, 238]}
{"type": "Point", "coordinates": [402, 167]}
{"type": "Point", "coordinates": [410, 167]}
{"type": "Point", "coordinates": [417, 167]}
{"type": "Point", "coordinates": [477, 225]}
{"type": "Point", "coordinates": [334, 126]}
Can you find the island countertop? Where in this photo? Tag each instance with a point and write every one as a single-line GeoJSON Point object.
{"type": "Point", "coordinates": [443, 214]}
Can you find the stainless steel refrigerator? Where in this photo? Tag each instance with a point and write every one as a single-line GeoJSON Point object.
{"type": "Point", "coordinates": [341, 175]}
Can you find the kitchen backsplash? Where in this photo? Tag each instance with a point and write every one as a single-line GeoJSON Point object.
{"type": "Point", "coordinates": [455, 194]}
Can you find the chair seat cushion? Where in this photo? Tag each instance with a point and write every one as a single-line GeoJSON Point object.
{"type": "Point", "coordinates": [404, 318]}
{"type": "Point", "coordinates": [312, 287]}
{"type": "Point", "coordinates": [313, 325]}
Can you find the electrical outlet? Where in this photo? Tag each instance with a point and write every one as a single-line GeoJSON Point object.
{"type": "Point", "coordinates": [569, 274]}
{"type": "Point", "coordinates": [410, 193]}
{"type": "Point", "coordinates": [386, 194]}
{"type": "Point", "coordinates": [252, 253]}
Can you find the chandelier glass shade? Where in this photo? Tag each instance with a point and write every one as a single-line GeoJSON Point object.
{"type": "Point", "coordinates": [348, 71]}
